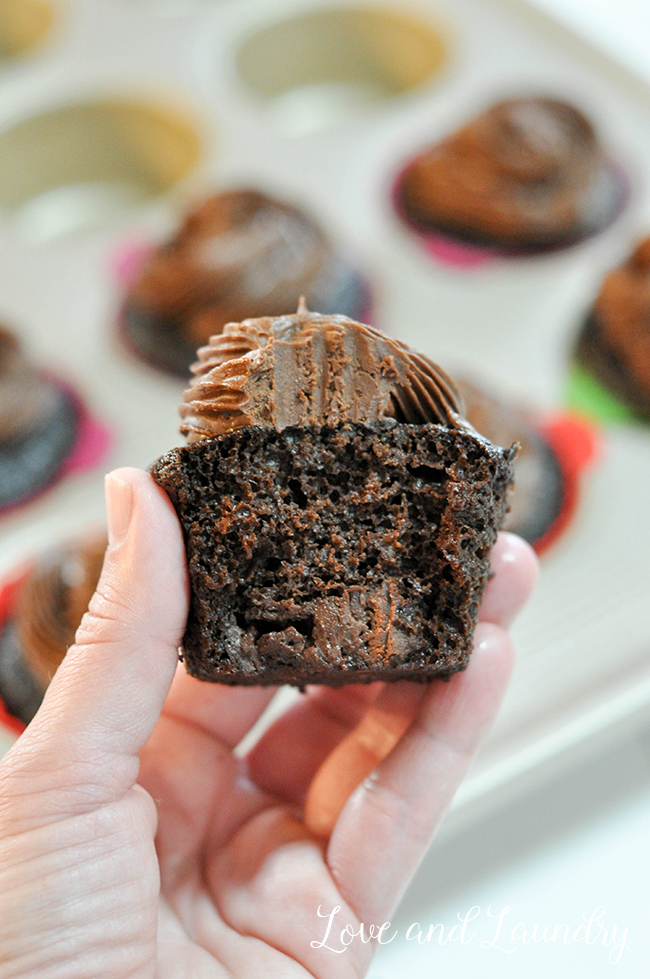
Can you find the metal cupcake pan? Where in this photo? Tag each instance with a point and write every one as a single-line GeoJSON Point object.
{"type": "Point", "coordinates": [190, 96]}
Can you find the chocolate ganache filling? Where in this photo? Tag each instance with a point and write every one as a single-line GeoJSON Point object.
{"type": "Point", "coordinates": [526, 172]}
{"type": "Point", "coordinates": [308, 369]}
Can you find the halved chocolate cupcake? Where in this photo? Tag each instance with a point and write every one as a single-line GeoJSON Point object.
{"type": "Point", "coordinates": [237, 253]}
{"type": "Point", "coordinates": [338, 512]}
{"type": "Point", "coordinates": [526, 176]}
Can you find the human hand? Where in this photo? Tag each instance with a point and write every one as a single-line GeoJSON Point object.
{"type": "Point", "coordinates": [136, 843]}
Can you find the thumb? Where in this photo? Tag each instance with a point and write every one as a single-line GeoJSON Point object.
{"type": "Point", "coordinates": [81, 749]}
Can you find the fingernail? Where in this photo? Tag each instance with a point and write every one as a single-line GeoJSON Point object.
{"type": "Point", "coordinates": [511, 547]}
{"type": "Point", "coordinates": [119, 507]}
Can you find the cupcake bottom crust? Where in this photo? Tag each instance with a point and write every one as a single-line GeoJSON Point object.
{"type": "Point", "coordinates": [335, 555]}
{"type": "Point", "coordinates": [595, 354]}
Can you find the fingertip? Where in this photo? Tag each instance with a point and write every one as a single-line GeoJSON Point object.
{"type": "Point", "coordinates": [484, 681]}
{"type": "Point", "coordinates": [144, 488]}
{"type": "Point", "coordinates": [515, 569]}
{"type": "Point", "coordinates": [494, 652]}
{"type": "Point", "coordinates": [511, 548]}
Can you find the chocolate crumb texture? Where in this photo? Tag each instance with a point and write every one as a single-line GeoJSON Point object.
{"type": "Point", "coordinates": [335, 554]}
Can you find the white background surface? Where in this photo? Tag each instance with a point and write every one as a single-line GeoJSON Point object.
{"type": "Point", "coordinates": [578, 842]}
{"type": "Point", "coordinates": [620, 28]}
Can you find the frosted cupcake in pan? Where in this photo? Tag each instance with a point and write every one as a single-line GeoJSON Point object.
{"type": "Point", "coordinates": [40, 612]}
{"type": "Point", "coordinates": [526, 176]}
{"type": "Point", "coordinates": [555, 453]}
{"type": "Point", "coordinates": [45, 430]}
{"type": "Point", "coordinates": [613, 349]}
{"type": "Point", "coordinates": [239, 253]}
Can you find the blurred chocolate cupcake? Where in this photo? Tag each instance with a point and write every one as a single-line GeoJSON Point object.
{"type": "Point", "coordinates": [39, 424]}
{"type": "Point", "coordinates": [239, 254]}
{"type": "Point", "coordinates": [525, 176]}
{"type": "Point", "coordinates": [554, 453]}
{"type": "Point", "coordinates": [613, 348]}
{"type": "Point", "coordinates": [39, 617]}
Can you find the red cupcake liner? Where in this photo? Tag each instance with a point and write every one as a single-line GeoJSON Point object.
{"type": "Point", "coordinates": [577, 445]}
{"type": "Point", "coordinates": [9, 722]}
{"type": "Point", "coordinates": [8, 590]}
{"type": "Point", "coordinates": [92, 442]}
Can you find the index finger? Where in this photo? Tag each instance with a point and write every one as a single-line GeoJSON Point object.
{"type": "Point", "coordinates": [288, 755]}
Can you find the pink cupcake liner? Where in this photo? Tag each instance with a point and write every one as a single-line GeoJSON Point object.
{"type": "Point", "coordinates": [94, 439]}
{"type": "Point", "coordinates": [127, 259]}
{"type": "Point", "coordinates": [92, 442]}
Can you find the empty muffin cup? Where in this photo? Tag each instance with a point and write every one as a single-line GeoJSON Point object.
{"type": "Point", "coordinates": [88, 164]}
{"type": "Point", "coordinates": [327, 67]}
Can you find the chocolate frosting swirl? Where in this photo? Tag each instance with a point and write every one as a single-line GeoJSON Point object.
{"type": "Point", "coordinates": [308, 369]}
{"type": "Point", "coordinates": [238, 251]}
{"type": "Point", "coordinates": [526, 171]}
{"type": "Point", "coordinates": [52, 602]}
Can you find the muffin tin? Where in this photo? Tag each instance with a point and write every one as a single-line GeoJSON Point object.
{"type": "Point", "coordinates": [176, 95]}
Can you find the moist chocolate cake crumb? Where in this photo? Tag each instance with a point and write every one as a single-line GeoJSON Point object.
{"type": "Point", "coordinates": [337, 554]}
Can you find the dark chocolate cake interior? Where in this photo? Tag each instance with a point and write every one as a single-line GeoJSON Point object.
{"type": "Point", "coordinates": [336, 554]}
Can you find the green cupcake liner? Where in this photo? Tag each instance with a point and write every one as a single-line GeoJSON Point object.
{"type": "Point", "coordinates": [584, 394]}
